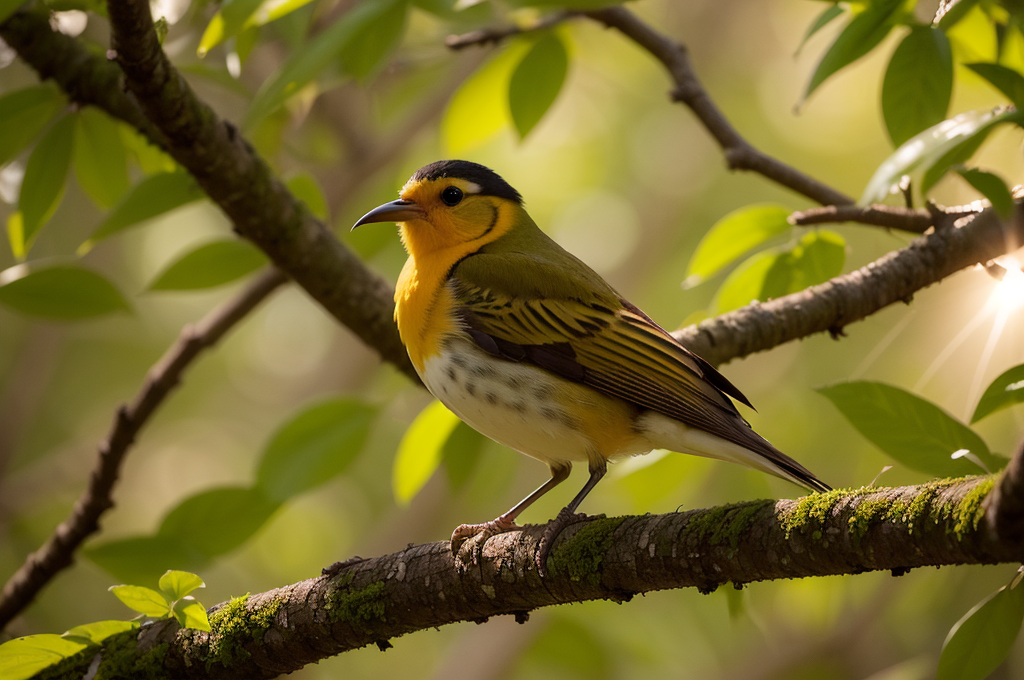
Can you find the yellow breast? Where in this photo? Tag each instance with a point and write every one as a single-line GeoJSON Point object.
{"type": "Point", "coordinates": [424, 310]}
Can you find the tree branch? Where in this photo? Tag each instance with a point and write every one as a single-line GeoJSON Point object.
{"type": "Point", "coordinates": [739, 154]}
{"type": "Point", "coordinates": [913, 220]}
{"type": "Point", "coordinates": [493, 36]}
{"type": "Point", "coordinates": [372, 601]}
{"type": "Point", "coordinates": [58, 551]}
{"type": "Point", "coordinates": [895, 277]}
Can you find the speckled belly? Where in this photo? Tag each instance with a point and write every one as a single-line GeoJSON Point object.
{"type": "Point", "coordinates": [530, 410]}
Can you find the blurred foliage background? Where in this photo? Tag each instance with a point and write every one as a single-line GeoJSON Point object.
{"type": "Point", "coordinates": [616, 173]}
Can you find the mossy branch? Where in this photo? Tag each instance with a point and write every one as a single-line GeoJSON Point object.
{"type": "Point", "coordinates": [372, 601]}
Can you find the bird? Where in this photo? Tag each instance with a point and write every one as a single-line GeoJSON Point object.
{"type": "Point", "coordinates": [534, 349]}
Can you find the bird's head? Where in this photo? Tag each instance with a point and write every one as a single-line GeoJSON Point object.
{"type": "Point", "coordinates": [447, 204]}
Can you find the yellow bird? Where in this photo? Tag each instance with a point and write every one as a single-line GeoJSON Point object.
{"type": "Point", "coordinates": [531, 347]}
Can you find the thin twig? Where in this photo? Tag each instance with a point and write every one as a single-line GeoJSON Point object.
{"type": "Point", "coordinates": [739, 154]}
{"type": "Point", "coordinates": [892, 217]}
{"type": "Point", "coordinates": [58, 551]}
{"type": "Point", "coordinates": [493, 36]}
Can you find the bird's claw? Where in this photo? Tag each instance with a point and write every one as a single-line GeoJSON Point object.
{"type": "Point", "coordinates": [555, 527]}
{"type": "Point", "coordinates": [468, 539]}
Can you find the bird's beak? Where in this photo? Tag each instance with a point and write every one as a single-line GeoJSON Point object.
{"type": "Point", "coordinates": [395, 211]}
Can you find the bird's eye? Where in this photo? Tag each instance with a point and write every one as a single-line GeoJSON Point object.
{"type": "Point", "coordinates": [451, 195]}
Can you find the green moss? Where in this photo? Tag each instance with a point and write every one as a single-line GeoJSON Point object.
{"type": "Point", "coordinates": [726, 524]}
{"type": "Point", "coordinates": [235, 625]}
{"type": "Point", "coordinates": [810, 512]}
{"type": "Point", "coordinates": [581, 556]}
{"type": "Point", "coordinates": [970, 510]}
{"type": "Point", "coordinates": [360, 605]}
{"type": "Point", "coordinates": [122, 660]}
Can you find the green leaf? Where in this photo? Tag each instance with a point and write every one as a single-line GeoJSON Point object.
{"type": "Point", "coordinates": [824, 19]}
{"type": "Point", "coordinates": [817, 257]}
{"type": "Point", "coordinates": [101, 159]}
{"type": "Point", "coordinates": [952, 12]}
{"type": "Point", "coordinates": [745, 283]}
{"type": "Point", "coordinates": [143, 558]}
{"type": "Point", "coordinates": [305, 188]}
{"type": "Point", "coordinates": [60, 292]}
{"type": "Point", "coordinates": [45, 173]}
{"type": "Point", "coordinates": [948, 143]}
{"type": "Point", "coordinates": [918, 84]}
{"type": "Point", "coordinates": [535, 83]}
{"type": "Point", "coordinates": [210, 265]}
{"type": "Point", "coordinates": [981, 640]}
{"type": "Point", "coordinates": [226, 23]}
{"type": "Point", "coordinates": [734, 235]}
{"type": "Point", "coordinates": [191, 614]}
{"type": "Point", "coordinates": [24, 114]}
{"type": "Point", "coordinates": [419, 453]}
{"type": "Point", "coordinates": [1006, 80]}
{"type": "Point", "coordinates": [143, 600]}
{"type": "Point", "coordinates": [830, 13]}
{"type": "Point", "coordinates": [992, 187]}
{"type": "Point", "coordinates": [95, 633]}
{"type": "Point", "coordinates": [363, 53]}
{"type": "Point", "coordinates": [1004, 392]}
{"type": "Point", "coordinates": [461, 453]}
{"type": "Point", "coordinates": [272, 10]}
{"type": "Point", "coordinates": [177, 584]}
{"type": "Point", "coordinates": [306, 62]}
{"type": "Point", "coordinates": [23, 657]}
{"type": "Point", "coordinates": [217, 521]}
{"type": "Point", "coordinates": [153, 196]}
{"type": "Point", "coordinates": [314, 447]}
{"type": "Point", "coordinates": [913, 431]}
{"type": "Point", "coordinates": [479, 108]}
{"type": "Point", "coordinates": [860, 36]}
{"type": "Point", "coordinates": [16, 235]}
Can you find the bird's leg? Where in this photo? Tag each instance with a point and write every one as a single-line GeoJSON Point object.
{"type": "Point", "coordinates": [479, 533]}
{"type": "Point", "coordinates": [566, 517]}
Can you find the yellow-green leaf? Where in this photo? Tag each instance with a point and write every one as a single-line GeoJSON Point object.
{"type": "Point", "coordinates": [143, 600]}
{"type": "Point", "coordinates": [1004, 392]}
{"type": "Point", "coordinates": [23, 657]}
{"type": "Point", "coordinates": [97, 632]}
{"type": "Point", "coordinates": [177, 584]}
{"type": "Point", "coordinates": [536, 81]}
{"type": "Point", "coordinates": [101, 159]}
{"type": "Point", "coordinates": [734, 235]}
{"type": "Point", "coordinates": [979, 642]}
{"type": "Point", "coordinates": [210, 265]}
{"type": "Point", "coordinates": [191, 614]}
{"type": "Point", "coordinates": [419, 453]}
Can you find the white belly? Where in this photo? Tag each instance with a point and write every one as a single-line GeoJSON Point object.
{"type": "Point", "coordinates": [513, 404]}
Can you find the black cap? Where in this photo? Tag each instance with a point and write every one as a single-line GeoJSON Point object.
{"type": "Point", "coordinates": [490, 183]}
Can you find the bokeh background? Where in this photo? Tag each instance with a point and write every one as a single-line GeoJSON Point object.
{"type": "Point", "coordinates": [623, 178]}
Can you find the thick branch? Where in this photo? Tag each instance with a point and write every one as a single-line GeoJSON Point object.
{"type": "Point", "coordinates": [739, 154]}
{"type": "Point", "coordinates": [895, 277]}
{"type": "Point", "coordinates": [58, 551]}
{"type": "Point", "coordinates": [894, 217]}
{"type": "Point", "coordinates": [842, 532]}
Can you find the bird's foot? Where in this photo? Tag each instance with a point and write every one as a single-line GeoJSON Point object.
{"type": "Point", "coordinates": [468, 539]}
{"type": "Point", "coordinates": [555, 527]}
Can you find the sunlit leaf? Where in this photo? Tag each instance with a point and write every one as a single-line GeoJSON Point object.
{"type": "Point", "coordinates": [817, 257]}
{"type": "Point", "coordinates": [992, 187]}
{"type": "Point", "coordinates": [860, 36]}
{"type": "Point", "coordinates": [101, 161]}
{"type": "Point", "coordinates": [936, 148]}
{"type": "Point", "coordinates": [824, 19]}
{"type": "Point", "coordinates": [226, 23]}
{"type": "Point", "coordinates": [143, 600]}
{"type": "Point", "coordinates": [310, 59]}
{"type": "Point", "coordinates": [745, 283]}
{"type": "Point", "coordinates": [23, 657]}
{"type": "Point", "coordinates": [1004, 392]}
{"type": "Point", "coordinates": [16, 235]}
{"type": "Point", "coordinates": [1004, 79]}
{"type": "Point", "coordinates": [535, 83]}
{"type": "Point", "coordinates": [461, 453]}
{"type": "Point", "coordinates": [479, 108]}
{"type": "Point", "coordinates": [913, 431]}
{"type": "Point", "coordinates": [363, 53]}
{"type": "Point", "coordinates": [918, 84]}
{"type": "Point", "coordinates": [272, 10]}
{"type": "Point", "coordinates": [209, 265]}
{"type": "Point", "coordinates": [95, 633]}
{"type": "Point", "coordinates": [151, 159]}
{"type": "Point", "coordinates": [734, 235]}
{"type": "Point", "coordinates": [176, 584]}
{"type": "Point", "coordinates": [981, 640]}
{"type": "Point", "coordinates": [314, 447]}
{"type": "Point", "coordinates": [419, 454]}
{"type": "Point", "coordinates": [307, 190]}
{"type": "Point", "coordinates": [24, 114]}
{"type": "Point", "coordinates": [153, 196]}
{"type": "Point", "coordinates": [45, 174]}
{"type": "Point", "coordinates": [191, 614]}
{"type": "Point", "coordinates": [64, 292]}
{"type": "Point", "coordinates": [217, 521]}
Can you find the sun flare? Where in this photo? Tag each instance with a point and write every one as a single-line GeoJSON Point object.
{"type": "Point", "coordinates": [1008, 295]}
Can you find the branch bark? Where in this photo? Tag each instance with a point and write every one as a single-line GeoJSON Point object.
{"type": "Point", "coordinates": [58, 551]}
{"type": "Point", "coordinates": [371, 601]}
{"type": "Point", "coordinates": [913, 220]}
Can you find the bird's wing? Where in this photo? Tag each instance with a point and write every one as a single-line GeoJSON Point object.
{"type": "Point", "coordinates": [594, 338]}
